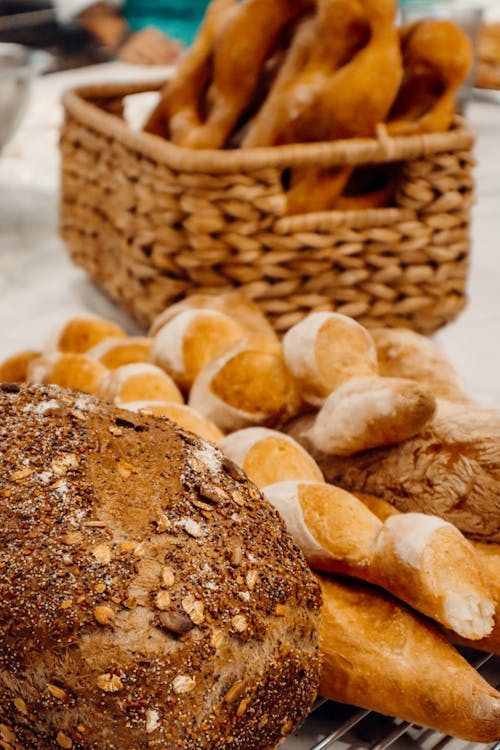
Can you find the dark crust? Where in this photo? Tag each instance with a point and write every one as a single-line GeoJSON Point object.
{"type": "Point", "coordinates": [81, 482]}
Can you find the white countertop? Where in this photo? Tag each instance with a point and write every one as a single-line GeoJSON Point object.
{"type": "Point", "coordinates": [39, 287]}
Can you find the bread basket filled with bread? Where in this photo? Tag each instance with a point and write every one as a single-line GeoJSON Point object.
{"type": "Point", "coordinates": [306, 152]}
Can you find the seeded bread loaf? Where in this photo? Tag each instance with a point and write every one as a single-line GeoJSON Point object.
{"type": "Point", "coordinates": [150, 598]}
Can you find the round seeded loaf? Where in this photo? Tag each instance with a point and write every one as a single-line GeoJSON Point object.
{"type": "Point", "coordinates": [149, 596]}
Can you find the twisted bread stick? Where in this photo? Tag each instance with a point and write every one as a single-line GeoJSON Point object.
{"type": "Point", "coordinates": [450, 469]}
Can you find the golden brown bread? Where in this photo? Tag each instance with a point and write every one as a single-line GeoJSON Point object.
{"type": "Point", "coordinates": [419, 558]}
{"type": "Point", "coordinates": [237, 305]}
{"type": "Point", "coordinates": [403, 353]}
{"type": "Point", "coordinates": [325, 350]}
{"type": "Point", "coordinates": [379, 655]}
{"type": "Point", "coordinates": [81, 332]}
{"type": "Point", "coordinates": [150, 597]}
{"type": "Point", "coordinates": [488, 555]}
{"type": "Point", "coordinates": [451, 469]}
{"type": "Point", "coordinates": [268, 456]}
{"type": "Point", "coordinates": [14, 369]}
{"type": "Point", "coordinates": [192, 339]}
{"type": "Point", "coordinates": [368, 412]}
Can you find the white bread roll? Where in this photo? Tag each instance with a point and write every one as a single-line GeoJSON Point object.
{"type": "Point", "coordinates": [139, 381]}
{"type": "Point", "coordinates": [14, 369]}
{"type": "Point", "coordinates": [69, 370]}
{"type": "Point", "coordinates": [365, 413]}
{"type": "Point", "coordinates": [249, 385]}
{"type": "Point", "coordinates": [115, 352]}
{"type": "Point", "coordinates": [326, 349]}
{"type": "Point", "coordinates": [151, 598]}
{"type": "Point", "coordinates": [81, 332]}
{"type": "Point", "coordinates": [268, 456]}
{"type": "Point", "coordinates": [234, 303]}
{"type": "Point", "coordinates": [192, 339]}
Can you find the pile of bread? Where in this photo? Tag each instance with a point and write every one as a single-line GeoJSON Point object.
{"type": "Point", "coordinates": [385, 473]}
{"type": "Point", "coordinates": [300, 71]}
{"type": "Point", "coordinates": [488, 65]}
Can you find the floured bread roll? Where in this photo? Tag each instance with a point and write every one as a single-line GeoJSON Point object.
{"type": "Point", "coordinates": [268, 456]}
{"type": "Point", "coordinates": [192, 339]}
{"type": "Point", "coordinates": [69, 370]}
{"type": "Point", "coordinates": [115, 352]}
{"type": "Point", "coordinates": [402, 353]}
{"type": "Point", "coordinates": [369, 412]}
{"type": "Point", "coordinates": [82, 332]}
{"type": "Point", "coordinates": [234, 303]}
{"type": "Point", "coordinates": [14, 369]}
{"type": "Point", "coordinates": [150, 597]}
{"type": "Point", "coordinates": [249, 385]}
{"type": "Point", "coordinates": [139, 381]}
{"type": "Point", "coordinates": [181, 414]}
{"type": "Point", "coordinates": [324, 350]}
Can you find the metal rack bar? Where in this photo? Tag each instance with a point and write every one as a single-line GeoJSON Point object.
{"type": "Point", "coordinates": [396, 733]}
{"type": "Point", "coordinates": [343, 729]}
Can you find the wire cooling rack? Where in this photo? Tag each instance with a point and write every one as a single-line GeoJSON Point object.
{"type": "Point", "coordinates": [332, 726]}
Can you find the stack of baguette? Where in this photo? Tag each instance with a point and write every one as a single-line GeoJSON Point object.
{"type": "Point", "coordinates": [263, 74]}
{"type": "Point", "coordinates": [341, 428]}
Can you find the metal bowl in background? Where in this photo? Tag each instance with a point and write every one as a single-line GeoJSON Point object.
{"type": "Point", "coordinates": [18, 67]}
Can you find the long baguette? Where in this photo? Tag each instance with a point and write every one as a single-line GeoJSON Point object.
{"type": "Point", "coordinates": [379, 655]}
{"type": "Point", "coordinates": [421, 559]}
{"type": "Point", "coordinates": [489, 559]}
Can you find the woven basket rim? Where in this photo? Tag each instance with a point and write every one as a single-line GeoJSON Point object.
{"type": "Point", "coordinates": [82, 103]}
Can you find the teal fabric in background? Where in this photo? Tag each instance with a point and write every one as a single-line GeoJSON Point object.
{"type": "Point", "coordinates": [179, 20]}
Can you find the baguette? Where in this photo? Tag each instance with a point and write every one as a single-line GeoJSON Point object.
{"type": "Point", "coordinates": [367, 412]}
{"type": "Point", "coordinates": [451, 469]}
{"type": "Point", "coordinates": [421, 559]}
{"type": "Point", "coordinates": [381, 656]}
{"type": "Point", "coordinates": [488, 556]}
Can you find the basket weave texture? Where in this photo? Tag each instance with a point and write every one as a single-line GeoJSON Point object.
{"type": "Point", "coordinates": [152, 222]}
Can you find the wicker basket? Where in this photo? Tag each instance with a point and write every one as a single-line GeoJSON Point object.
{"type": "Point", "coordinates": [152, 222]}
